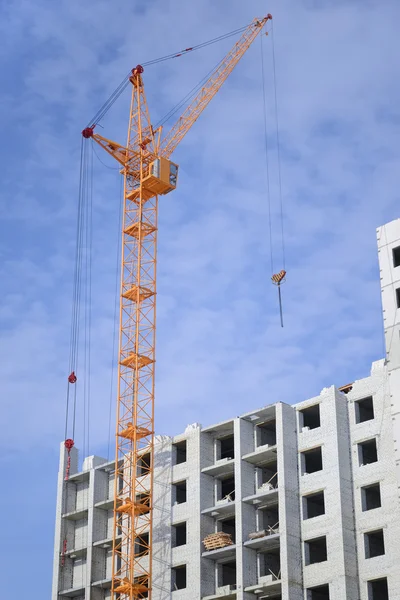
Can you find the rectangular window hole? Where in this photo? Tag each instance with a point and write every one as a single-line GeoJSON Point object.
{"type": "Point", "coordinates": [364, 410]}
{"type": "Point", "coordinates": [367, 452]}
{"type": "Point", "coordinates": [374, 543]}
{"type": "Point", "coordinates": [228, 526]}
{"type": "Point", "coordinates": [396, 256]}
{"type": "Point", "coordinates": [225, 447]}
{"type": "Point", "coordinates": [178, 578]}
{"type": "Point", "coordinates": [313, 505]}
{"type": "Point", "coordinates": [179, 492]}
{"type": "Point", "coordinates": [315, 551]}
{"type": "Point", "coordinates": [180, 452]}
{"type": "Point", "coordinates": [144, 464]}
{"type": "Point", "coordinates": [266, 433]}
{"type": "Point", "coordinates": [269, 563]}
{"type": "Point", "coordinates": [268, 519]}
{"type": "Point", "coordinates": [398, 297]}
{"type": "Point", "coordinates": [227, 489]}
{"type": "Point", "coordinates": [312, 460]}
{"type": "Point", "coordinates": [321, 592]}
{"type": "Point", "coordinates": [378, 589]}
{"type": "Point", "coordinates": [142, 544]}
{"type": "Point", "coordinates": [179, 535]}
{"type": "Point", "coordinates": [310, 417]}
{"type": "Point", "coordinates": [227, 574]}
{"type": "Point", "coordinates": [371, 497]}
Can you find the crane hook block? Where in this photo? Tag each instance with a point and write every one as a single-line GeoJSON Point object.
{"type": "Point", "coordinates": [88, 132]}
{"type": "Point", "coordinates": [72, 378]}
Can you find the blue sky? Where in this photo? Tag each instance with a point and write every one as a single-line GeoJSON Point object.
{"type": "Point", "coordinates": [220, 349]}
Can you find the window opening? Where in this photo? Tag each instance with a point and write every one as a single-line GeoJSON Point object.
{"type": "Point", "coordinates": [266, 434]}
{"type": "Point", "coordinates": [142, 544]}
{"type": "Point", "coordinates": [371, 497]}
{"type": "Point", "coordinates": [321, 592]}
{"type": "Point", "coordinates": [179, 535]}
{"type": "Point", "coordinates": [143, 464]}
{"type": "Point", "coordinates": [179, 492]}
{"type": "Point", "coordinates": [374, 543]}
{"type": "Point", "coordinates": [180, 450]}
{"type": "Point", "coordinates": [227, 574]}
{"type": "Point", "coordinates": [396, 256]}
{"type": "Point", "coordinates": [378, 589]}
{"type": "Point", "coordinates": [227, 489]}
{"type": "Point", "coordinates": [364, 410]}
{"type": "Point", "coordinates": [312, 460]}
{"type": "Point", "coordinates": [267, 477]}
{"type": "Point", "coordinates": [179, 578]}
{"type": "Point", "coordinates": [315, 551]}
{"type": "Point", "coordinates": [225, 448]}
{"type": "Point", "coordinates": [228, 526]}
{"type": "Point", "coordinates": [268, 520]}
{"type": "Point", "coordinates": [313, 505]}
{"type": "Point", "coordinates": [270, 564]}
{"type": "Point", "coordinates": [367, 452]}
{"type": "Point", "coordinates": [310, 417]}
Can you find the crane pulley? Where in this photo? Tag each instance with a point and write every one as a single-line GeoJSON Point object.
{"type": "Point", "coordinates": [148, 173]}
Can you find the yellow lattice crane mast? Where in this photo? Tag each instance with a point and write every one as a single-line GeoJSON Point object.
{"type": "Point", "coordinates": [148, 173]}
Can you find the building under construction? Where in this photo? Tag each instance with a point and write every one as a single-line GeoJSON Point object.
{"type": "Point", "coordinates": [286, 502]}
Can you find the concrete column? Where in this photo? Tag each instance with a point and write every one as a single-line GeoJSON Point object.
{"type": "Point", "coordinates": [289, 505]}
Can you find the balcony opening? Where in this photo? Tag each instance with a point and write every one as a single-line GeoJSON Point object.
{"type": "Point", "coordinates": [378, 589]}
{"type": "Point", "coordinates": [269, 563]}
{"type": "Point", "coordinates": [179, 535]}
{"type": "Point", "coordinates": [374, 543]}
{"type": "Point", "coordinates": [267, 477]}
{"type": "Point", "coordinates": [313, 505]}
{"type": "Point", "coordinates": [321, 592]}
{"type": "Point", "coordinates": [367, 452]}
{"type": "Point", "coordinates": [178, 578]}
{"type": "Point", "coordinates": [179, 452]}
{"type": "Point", "coordinates": [266, 434]}
{"type": "Point", "coordinates": [268, 519]}
{"type": "Point", "coordinates": [371, 497]}
{"type": "Point", "coordinates": [144, 464]}
{"type": "Point", "coordinates": [315, 551]}
{"type": "Point", "coordinates": [396, 256]}
{"type": "Point", "coordinates": [398, 297]}
{"type": "Point", "coordinates": [311, 461]}
{"type": "Point", "coordinates": [228, 526]}
{"type": "Point", "coordinates": [226, 489]}
{"type": "Point", "coordinates": [364, 410]}
{"type": "Point", "coordinates": [227, 574]}
{"type": "Point", "coordinates": [225, 447]}
{"type": "Point", "coordinates": [310, 417]}
{"type": "Point", "coordinates": [142, 544]}
{"type": "Point", "coordinates": [179, 492]}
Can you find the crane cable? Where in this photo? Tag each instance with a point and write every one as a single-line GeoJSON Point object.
{"type": "Point", "coordinates": [81, 294]}
{"type": "Point", "coordinates": [103, 110]}
{"type": "Point", "coordinates": [280, 277]}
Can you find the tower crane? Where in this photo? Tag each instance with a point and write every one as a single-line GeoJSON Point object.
{"type": "Point", "coordinates": [148, 173]}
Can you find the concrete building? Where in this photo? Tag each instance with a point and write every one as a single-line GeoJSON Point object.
{"type": "Point", "coordinates": [307, 495]}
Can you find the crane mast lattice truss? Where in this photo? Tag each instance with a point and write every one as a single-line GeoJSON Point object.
{"type": "Point", "coordinates": [147, 174]}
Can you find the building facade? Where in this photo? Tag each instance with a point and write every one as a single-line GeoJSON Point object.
{"type": "Point", "coordinates": [287, 502]}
